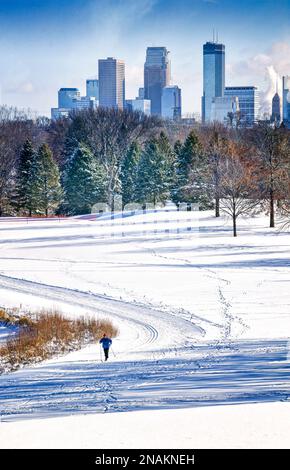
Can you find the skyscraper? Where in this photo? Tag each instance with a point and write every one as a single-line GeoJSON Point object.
{"type": "Point", "coordinates": [112, 83]}
{"type": "Point", "coordinates": [213, 76]}
{"type": "Point", "coordinates": [276, 109]}
{"type": "Point", "coordinates": [139, 104]}
{"type": "Point", "coordinates": [249, 103]}
{"type": "Point", "coordinates": [70, 100]}
{"type": "Point", "coordinates": [171, 102]}
{"type": "Point", "coordinates": [225, 109]}
{"type": "Point", "coordinates": [66, 95]}
{"type": "Point", "coordinates": [286, 100]}
{"type": "Point", "coordinates": [156, 76]}
{"type": "Point", "coordinates": [92, 88]}
{"type": "Point", "coordinates": [141, 93]}
{"type": "Point", "coordinates": [84, 102]}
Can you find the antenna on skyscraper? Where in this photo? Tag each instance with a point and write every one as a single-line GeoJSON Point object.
{"type": "Point", "coordinates": [213, 35]}
{"type": "Point", "coordinates": [217, 36]}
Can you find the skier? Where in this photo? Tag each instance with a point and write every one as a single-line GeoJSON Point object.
{"type": "Point", "coordinates": [106, 343]}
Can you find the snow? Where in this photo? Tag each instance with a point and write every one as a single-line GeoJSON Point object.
{"type": "Point", "coordinates": [6, 331]}
{"type": "Point", "coordinates": [204, 320]}
{"type": "Point", "coordinates": [240, 426]}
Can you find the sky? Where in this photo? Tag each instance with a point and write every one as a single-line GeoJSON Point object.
{"type": "Point", "coordinates": [49, 44]}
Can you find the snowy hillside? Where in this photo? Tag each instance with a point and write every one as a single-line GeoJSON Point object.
{"type": "Point", "coordinates": [204, 320]}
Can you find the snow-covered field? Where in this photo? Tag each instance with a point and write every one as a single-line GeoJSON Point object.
{"type": "Point", "coordinates": [204, 320]}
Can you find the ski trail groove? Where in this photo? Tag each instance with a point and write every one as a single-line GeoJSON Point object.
{"type": "Point", "coordinates": [150, 322]}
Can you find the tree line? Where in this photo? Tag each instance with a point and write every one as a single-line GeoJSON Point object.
{"type": "Point", "coordinates": [67, 166]}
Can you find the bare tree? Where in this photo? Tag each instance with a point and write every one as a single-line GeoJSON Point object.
{"type": "Point", "coordinates": [273, 152]}
{"type": "Point", "coordinates": [284, 209]}
{"type": "Point", "coordinates": [215, 143]}
{"type": "Point", "coordinates": [237, 191]}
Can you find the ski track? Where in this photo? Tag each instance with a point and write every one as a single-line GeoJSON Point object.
{"type": "Point", "coordinates": [168, 365]}
{"type": "Point", "coordinates": [204, 375]}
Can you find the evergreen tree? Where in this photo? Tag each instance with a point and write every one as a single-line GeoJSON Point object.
{"type": "Point", "coordinates": [169, 159]}
{"type": "Point", "coordinates": [84, 181]}
{"type": "Point", "coordinates": [22, 200]}
{"type": "Point", "coordinates": [44, 182]}
{"type": "Point", "coordinates": [177, 148]}
{"type": "Point", "coordinates": [129, 171]}
{"type": "Point", "coordinates": [190, 170]}
{"type": "Point", "coordinates": [154, 178]}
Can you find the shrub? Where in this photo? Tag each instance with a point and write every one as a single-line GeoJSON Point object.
{"type": "Point", "coordinates": [49, 333]}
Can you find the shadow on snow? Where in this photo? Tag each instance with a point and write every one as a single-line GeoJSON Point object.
{"type": "Point", "coordinates": [239, 372]}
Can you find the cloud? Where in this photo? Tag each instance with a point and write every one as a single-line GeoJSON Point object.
{"type": "Point", "coordinates": [134, 80]}
{"type": "Point", "coordinates": [25, 87]}
{"type": "Point", "coordinates": [278, 56]}
{"type": "Point", "coordinates": [270, 66]}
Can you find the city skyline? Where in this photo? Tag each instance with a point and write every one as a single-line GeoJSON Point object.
{"type": "Point", "coordinates": [46, 47]}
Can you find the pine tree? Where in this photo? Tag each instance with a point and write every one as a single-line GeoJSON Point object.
{"type": "Point", "coordinates": [129, 171]}
{"type": "Point", "coordinates": [177, 148]}
{"type": "Point", "coordinates": [44, 182]}
{"type": "Point", "coordinates": [154, 172]}
{"type": "Point", "coordinates": [84, 181]}
{"type": "Point", "coordinates": [190, 168]}
{"type": "Point", "coordinates": [22, 200]}
{"type": "Point", "coordinates": [169, 160]}
{"type": "Point", "coordinates": [187, 158]}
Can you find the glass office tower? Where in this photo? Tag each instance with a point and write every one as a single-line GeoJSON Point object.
{"type": "Point", "coordinates": [66, 95]}
{"type": "Point", "coordinates": [171, 102]}
{"type": "Point", "coordinates": [92, 88]}
{"type": "Point", "coordinates": [156, 76]}
{"type": "Point", "coordinates": [213, 76]}
{"type": "Point", "coordinates": [286, 100]}
{"type": "Point", "coordinates": [249, 102]}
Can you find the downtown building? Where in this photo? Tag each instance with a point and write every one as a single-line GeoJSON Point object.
{"type": "Point", "coordinates": [139, 104]}
{"type": "Point", "coordinates": [66, 97]}
{"type": "Point", "coordinates": [156, 76]}
{"type": "Point", "coordinates": [92, 88]}
{"type": "Point", "coordinates": [84, 102]}
{"type": "Point", "coordinates": [70, 99]}
{"type": "Point", "coordinates": [65, 102]}
{"type": "Point", "coordinates": [213, 76]}
{"type": "Point", "coordinates": [171, 102]}
{"type": "Point", "coordinates": [226, 110]}
{"type": "Point", "coordinates": [286, 100]}
{"type": "Point", "coordinates": [249, 103]}
{"type": "Point", "coordinates": [276, 109]}
{"type": "Point", "coordinates": [112, 83]}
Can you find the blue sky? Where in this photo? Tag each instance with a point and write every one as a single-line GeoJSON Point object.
{"type": "Point", "coordinates": [46, 44]}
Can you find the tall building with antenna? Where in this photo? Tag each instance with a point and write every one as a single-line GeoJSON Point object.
{"type": "Point", "coordinates": [213, 75]}
{"type": "Point", "coordinates": [286, 100]}
{"type": "Point", "coordinates": [156, 76]}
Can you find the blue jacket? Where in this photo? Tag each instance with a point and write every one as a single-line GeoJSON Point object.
{"type": "Point", "coordinates": [106, 342]}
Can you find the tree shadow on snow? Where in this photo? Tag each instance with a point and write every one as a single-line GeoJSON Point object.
{"type": "Point", "coordinates": [205, 375]}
